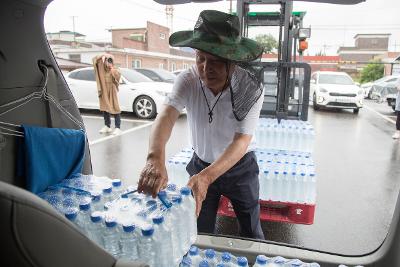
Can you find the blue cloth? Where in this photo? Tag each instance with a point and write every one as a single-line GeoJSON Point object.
{"type": "Point", "coordinates": [48, 155]}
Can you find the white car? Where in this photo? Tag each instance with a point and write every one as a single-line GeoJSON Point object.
{"type": "Point", "coordinates": [137, 93]}
{"type": "Point", "coordinates": [335, 90]}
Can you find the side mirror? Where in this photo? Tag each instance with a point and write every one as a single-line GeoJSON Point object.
{"type": "Point", "coordinates": [312, 81]}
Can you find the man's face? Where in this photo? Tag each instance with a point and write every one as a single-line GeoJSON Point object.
{"type": "Point", "coordinates": [212, 70]}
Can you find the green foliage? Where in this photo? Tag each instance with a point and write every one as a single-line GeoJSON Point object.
{"type": "Point", "coordinates": [371, 72]}
{"type": "Point", "coordinates": [267, 41]}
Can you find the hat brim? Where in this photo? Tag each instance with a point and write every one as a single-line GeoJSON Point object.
{"type": "Point", "coordinates": [243, 51]}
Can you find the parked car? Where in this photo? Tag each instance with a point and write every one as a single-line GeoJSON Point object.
{"type": "Point", "coordinates": [381, 89]}
{"type": "Point", "coordinates": [176, 72]}
{"type": "Point", "coordinates": [335, 90]}
{"type": "Point", "coordinates": [137, 93]}
{"type": "Point", "coordinates": [158, 75]}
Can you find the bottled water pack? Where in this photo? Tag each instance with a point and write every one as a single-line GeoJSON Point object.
{"type": "Point", "coordinates": [211, 258]}
{"type": "Point", "coordinates": [287, 135]}
{"type": "Point", "coordinates": [127, 224]}
{"type": "Point", "coordinates": [286, 176]}
{"type": "Point", "coordinates": [278, 261]}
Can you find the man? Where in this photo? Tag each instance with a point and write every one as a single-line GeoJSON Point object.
{"type": "Point", "coordinates": [107, 78]}
{"type": "Point", "coordinates": [223, 103]}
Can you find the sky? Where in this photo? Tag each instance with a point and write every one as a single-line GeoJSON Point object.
{"type": "Point", "coordinates": [331, 25]}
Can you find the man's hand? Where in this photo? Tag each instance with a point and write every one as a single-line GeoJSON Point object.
{"type": "Point", "coordinates": [199, 184]}
{"type": "Point", "coordinates": [153, 177]}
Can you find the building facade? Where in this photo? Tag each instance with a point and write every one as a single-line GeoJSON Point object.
{"type": "Point", "coordinates": [132, 48]}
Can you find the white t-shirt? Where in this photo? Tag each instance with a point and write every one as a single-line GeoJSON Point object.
{"type": "Point", "coordinates": [209, 140]}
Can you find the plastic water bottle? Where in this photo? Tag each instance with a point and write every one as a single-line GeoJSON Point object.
{"type": "Point", "coordinates": [164, 242]}
{"type": "Point", "coordinates": [147, 246]}
{"type": "Point", "coordinates": [116, 188]}
{"type": "Point", "coordinates": [210, 256]}
{"type": "Point", "coordinates": [107, 194]}
{"type": "Point", "coordinates": [278, 261]}
{"type": "Point", "coordinates": [194, 256]}
{"type": "Point", "coordinates": [189, 205]}
{"type": "Point", "coordinates": [97, 203]}
{"type": "Point", "coordinates": [128, 242]}
{"type": "Point", "coordinates": [111, 236]}
{"type": "Point", "coordinates": [181, 228]}
{"type": "Point", "coordinates": [242, 262]}
{"type": "Point", "coordinates": [84, 217]}
{"type": "Point", "coordinates": [261, 261]}
{"type": "Point", "coordinates": [95, 228]}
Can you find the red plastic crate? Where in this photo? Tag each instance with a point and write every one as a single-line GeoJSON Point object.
{"type": "Point", "coordinates": [275, 211]}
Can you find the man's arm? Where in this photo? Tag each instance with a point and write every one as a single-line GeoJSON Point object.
{"type": "Point", "coordinates": [232, 154]}
{"type": "Point", "coordinates": [154, 175]}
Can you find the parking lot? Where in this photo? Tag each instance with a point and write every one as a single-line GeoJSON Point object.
{"type": "Point", "coordinates": [356, 164]}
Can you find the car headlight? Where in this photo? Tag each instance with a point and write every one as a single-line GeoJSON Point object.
{"type": "Point", "coordinates": [163, 93]}
{"type": "Point", "coordinates": [323, 90]}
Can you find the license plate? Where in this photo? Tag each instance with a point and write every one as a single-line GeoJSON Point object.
{"type": "Point", "coordinates": [344, 100]}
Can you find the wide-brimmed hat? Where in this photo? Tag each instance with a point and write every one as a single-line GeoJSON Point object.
{"type": "Point", "coordinates": [217, 33]}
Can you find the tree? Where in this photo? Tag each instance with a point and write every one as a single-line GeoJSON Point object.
{"type": "Point", "coordinates": [372, 72]}
{"type": "Point", "coordinates": [267, 41]}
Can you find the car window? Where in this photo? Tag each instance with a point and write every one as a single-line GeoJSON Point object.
{"type": "Point", "coordinates": [134, 76]}
{"type": "Point", "coordinates": [86, 75]}
{"type": "Point", "coordinates": [165, 75]}
{"type": "Point", "coordinates": [150, 74]}
{"type": "Point", "coordinates": [334, 161]}
{"type": "Point", "coordinates": [335, 79]}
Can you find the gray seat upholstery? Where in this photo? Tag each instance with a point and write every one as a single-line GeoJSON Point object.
{"type": "Point", "coordinates": [34, 234]}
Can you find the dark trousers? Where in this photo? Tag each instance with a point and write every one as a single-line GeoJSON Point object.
{"type": "Point", "coordinates": [241, 186]}
{"type": "Point", "coordinates": [107, 119]}
{"type": "Point", "coordinates": [398, 121]}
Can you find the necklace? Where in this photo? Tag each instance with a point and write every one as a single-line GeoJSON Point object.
{"type": "Point", "coordinates": [210, 110]}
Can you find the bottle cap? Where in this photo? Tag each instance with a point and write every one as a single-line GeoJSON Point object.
{"type": "Point", "coordinates": [279, 260]}
{"type": "Point", "coordinates": [71, 214]}
{"type": "Point", "coordinates": [204, 263]}
{"type": "Point", "coordinates": [95, 216]}
{"type": "Point", "coordinates": [193, 251]}
{"type": "Point", "coordinates": [242, 261]}
{"type": "Point", "coordinates": [210, 253]}
{"type": "Point", "coordinates": [226, 257]}
{"type": "Point", "coordinates": [261, 259]}
{"type": "Point", "coordinates": [158, 219]}
{"type": "Point", "coordinates": [148, 231]}
{"type": "Point", "coordinates": [177, 199]}
{"type": "Point", "coordinates": [151, 202]}
{"type": "Point", "coordinates": [116, 182]}
{"type": "Point", "coordinates": [107, 190]}
{"type": "Point", "coordinates": [171, 187]}
{"type": "Point", "coordinates": [128, 228]}
{"type": "Point", "coordinates": [84, 206]}
{"type": "Point", "coordinates": [185, 191]}
{"type": "Point", "coordinates": [111, 222]}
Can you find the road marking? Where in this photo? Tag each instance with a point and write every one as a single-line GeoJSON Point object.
{"type": "Point", "coordinates": [103, 139]}
{"type": "Point", "coordinates": [101, 118]}
{"type": "Point", "coordinates": [380, 114]}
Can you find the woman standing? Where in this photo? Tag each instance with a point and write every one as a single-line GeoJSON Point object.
{"type": "Point", "coordinates": [107, 78]}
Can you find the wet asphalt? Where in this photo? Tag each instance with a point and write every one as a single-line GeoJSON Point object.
{"type": "Point", "coordinates": [357, 166]}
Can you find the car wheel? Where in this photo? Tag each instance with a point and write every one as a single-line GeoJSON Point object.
{"type": "Point", "coordinates": [144, 107]}
{"type": "Point", "coordinates": [315, 105]}
{"type": "Point", "coordinates": [356, 110]}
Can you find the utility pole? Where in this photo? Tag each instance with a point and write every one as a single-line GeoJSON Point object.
{"type": "Point", "coordinates": [169, 12]}
{"type": "Point", "coordinates": [73, 27]}
{"type": "Point", "coordinates": [230, 6]}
